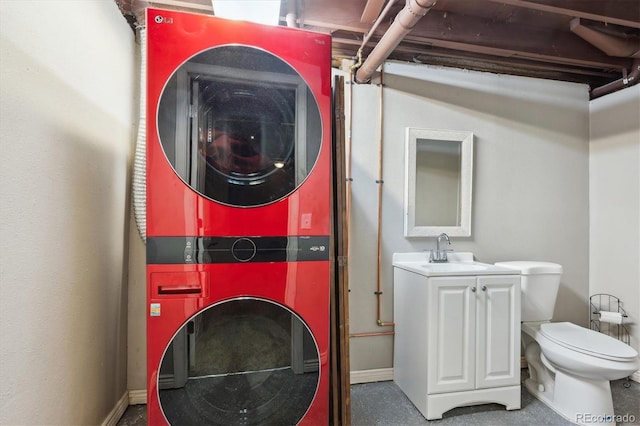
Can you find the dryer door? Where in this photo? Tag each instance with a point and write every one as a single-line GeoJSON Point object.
{"type": "Point", "coordinates": [239, 126]}
{"type": "Point", "coordinates": [249, 362]}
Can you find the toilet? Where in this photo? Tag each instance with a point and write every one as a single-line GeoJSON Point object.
{"type": "Point", "coordinates": [570, 367]}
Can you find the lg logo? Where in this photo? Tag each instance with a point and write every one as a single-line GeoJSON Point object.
{"type": "Point", "coordinates": [162, 20]}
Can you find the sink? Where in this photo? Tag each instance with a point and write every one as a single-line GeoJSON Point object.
{"type": "Point", "coordinates": [460, 263]}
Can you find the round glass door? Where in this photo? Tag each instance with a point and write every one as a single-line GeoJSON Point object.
{"type": "Point", "coordinates": [239, 126]}
{"type": "Point", "coordinates": [241, 362]}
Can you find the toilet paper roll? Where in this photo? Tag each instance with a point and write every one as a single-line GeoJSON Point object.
{"type": "Point", "coordinates": [611, 317]}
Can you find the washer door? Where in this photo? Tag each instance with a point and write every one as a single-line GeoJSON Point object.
{"type": "Point", "coordinates": [241, 362]}
{"type": "Point", "coordinates": [239, 126]}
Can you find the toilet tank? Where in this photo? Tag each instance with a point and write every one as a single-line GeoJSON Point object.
{"type": "Point", "coordinates": [539, 287]}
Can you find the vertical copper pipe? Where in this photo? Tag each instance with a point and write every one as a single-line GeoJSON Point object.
{"type": "Point", "coordinates": [380, 182]}
{"type": "Point", "coordinates": [347, 176]}
{"type": "Point", "coordinates": [348, 155]}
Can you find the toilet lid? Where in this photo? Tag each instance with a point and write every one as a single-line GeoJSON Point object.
{"type": "Point", "coordinates": [587, 341]}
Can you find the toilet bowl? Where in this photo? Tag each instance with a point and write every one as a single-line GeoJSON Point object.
{"type": "Point", "coordinates": [586, 353]}
{"type": "Point", "coordinates": [570, 367]}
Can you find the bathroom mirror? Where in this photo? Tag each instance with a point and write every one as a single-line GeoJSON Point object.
{"type": "Point", "coordinates": [438, 173]}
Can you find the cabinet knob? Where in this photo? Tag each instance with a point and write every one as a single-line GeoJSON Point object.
{"type": "Point", "coordinates": [473, 289]}
{"type": "Point", "coordinates": [484, 288]}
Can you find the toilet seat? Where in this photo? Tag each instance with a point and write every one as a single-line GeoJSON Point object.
{"type": "Point", "coordinates": [588, 342]}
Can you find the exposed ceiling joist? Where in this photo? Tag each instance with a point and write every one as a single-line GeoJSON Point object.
{"type": "Point", "coordinates": [610, 44]}
{"type": "Point", "coordinates": [621, 12]}
{"type": "Point", "coordinates": [371, 11]}
{"type": "Point", "coordinates": [522, 37]}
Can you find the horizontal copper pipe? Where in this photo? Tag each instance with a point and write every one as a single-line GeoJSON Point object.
{"type": "Point", "coordinates": [379, 333]}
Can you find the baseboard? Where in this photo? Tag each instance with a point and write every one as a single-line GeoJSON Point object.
{"type": "Point", "coordinates": [117, 411]}
{"type": "Point", "coordinates": [368, 376]}
{"type": "Point", "coordinates": [137, 397]}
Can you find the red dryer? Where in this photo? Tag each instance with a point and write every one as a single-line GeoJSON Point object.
{"type": "Point", "coordinates": [238, 222]}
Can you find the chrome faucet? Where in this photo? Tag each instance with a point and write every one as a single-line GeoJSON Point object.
{"type": "Point", "coordinates": [439, 256]}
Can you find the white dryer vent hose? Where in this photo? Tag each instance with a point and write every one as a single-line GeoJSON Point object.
{"type": "Point", "coordinates": [140, 157]}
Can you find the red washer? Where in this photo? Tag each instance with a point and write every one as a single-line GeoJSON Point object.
{"type": "Point", "coordinates": [238, 222]}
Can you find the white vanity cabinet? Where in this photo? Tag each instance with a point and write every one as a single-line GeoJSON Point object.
{"type": "Point", "coordinates": [457, 339]}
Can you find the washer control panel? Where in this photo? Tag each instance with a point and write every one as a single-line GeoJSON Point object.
{"type": "Point", "coordinates": [189, 250]}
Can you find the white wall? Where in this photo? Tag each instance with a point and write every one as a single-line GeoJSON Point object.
{"type": "Point", "coordinates": [66, 129]}
{"type": "Point", "coordinates": [530, 183]}
{"type": "Point", "coordinates": [137, 314]}
{"type": "Point", "coordinates": [614, 190]}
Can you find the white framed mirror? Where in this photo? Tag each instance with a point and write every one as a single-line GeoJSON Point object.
{"type": "Point", "coordinates": [438, 182]}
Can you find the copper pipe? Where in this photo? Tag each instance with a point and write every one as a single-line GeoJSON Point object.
{"type": "Point", "coordinates": [380, 333]}
{"type": "Point", "coordinates": [368, 35]}
{"type": "Point", "coordinates": [375, 25]}
{"type": "Point", "coordinates": [380, 182]}
{"type": "Point", "coordinates": [348, 160]}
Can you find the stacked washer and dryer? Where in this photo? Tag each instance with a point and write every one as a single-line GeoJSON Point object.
{"type": "Point", "coordinates": [238, 222]}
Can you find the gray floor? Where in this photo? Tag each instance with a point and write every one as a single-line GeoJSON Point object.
{"type": "Point", "coordinates": [384, 404]}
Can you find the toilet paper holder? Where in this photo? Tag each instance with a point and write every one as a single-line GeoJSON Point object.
{"type": "Point", "coordinates": [608, 316]}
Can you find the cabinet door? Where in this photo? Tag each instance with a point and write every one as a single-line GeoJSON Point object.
{"type": "Point", "coordinates": [498, 331]}
{"type": "Point", "coordinates": [451, 331]}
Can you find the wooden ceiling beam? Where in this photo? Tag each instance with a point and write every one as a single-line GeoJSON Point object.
{"type": "Point", "coordinates": [335, 15]}
{"type": "Point", "coordinates": [532, 34]}
{"type": "Point", "coordinates": [371, 11]}
{"type": "Point", "coordinates": [471, 34]}
{"type": "Point", "coordinates": [602, 61]}
{"type": "Point", "coordinates": [345, 46]}
{"type": "Point", "coordinates": [459, 32]}
{"type": "Point", "coordinates": [626, 14]}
